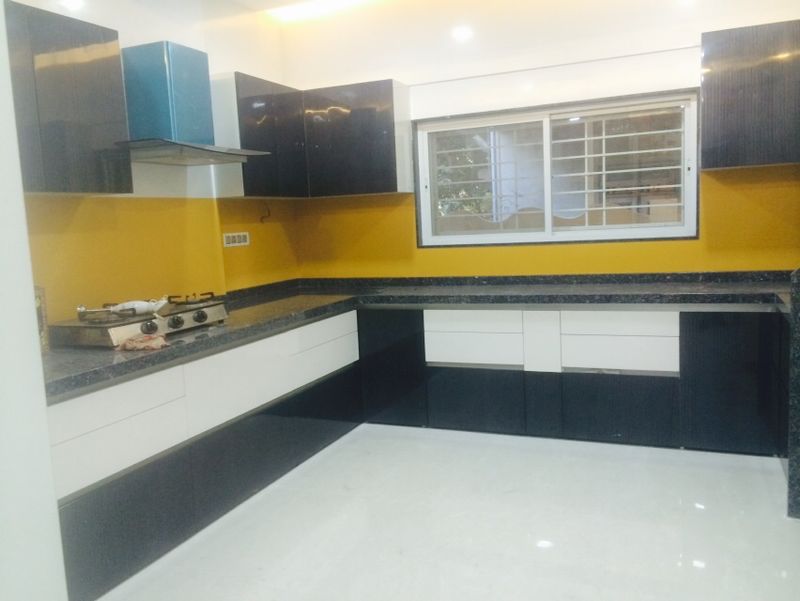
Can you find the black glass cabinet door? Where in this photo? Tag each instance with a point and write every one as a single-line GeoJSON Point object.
{"type": "Point", "coordinates": [271, 119]}
{"type": "Point", "coordinates": [350, 139]}
{"type": "Point", "coordinates": [750, 96]}
{"type": "Point", "coordinates": [70, 103]}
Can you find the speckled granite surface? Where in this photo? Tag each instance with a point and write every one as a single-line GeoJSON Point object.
{"type": "Point", "coordinates": [794, 401]}
{"type": "Point", "coordinates": [72, 372]}
{"type": "Point", "coordinates": [260, 312]}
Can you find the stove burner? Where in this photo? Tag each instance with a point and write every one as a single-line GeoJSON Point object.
{"type": "Point", "coordinates": [192, 299]}
{"type": "Point", "coordinates": [113, 324]}
{"type": "Point", "coordinates": [104, 315]}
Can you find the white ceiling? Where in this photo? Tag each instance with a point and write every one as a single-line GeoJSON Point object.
{"type": "Point", "coordinates": [263, 4]}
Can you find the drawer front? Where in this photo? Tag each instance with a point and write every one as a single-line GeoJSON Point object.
{"type": "Point", "coordinates": [542, 334]}
{"type": "Point", "coordinates": [99, 409]}
{"type": "Point", "coordinates": [225, 386]}
{"type": "Point", "coordinates": [324, 331]}
{"type": "Point", "coordinates": [84, 460]}
{"type": "Point", "coordinates": [621, 323]}
{"type": "Point", "coordinates": [473, 348]}
{"type": "Point", "coordinates": [634, 353]}
{"type": "Point", "coordinates": [473, 321]}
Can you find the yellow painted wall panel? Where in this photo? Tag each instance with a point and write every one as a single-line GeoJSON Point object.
{"type": "Point", "coordinates": [94, 250]}
{"type": "Point", "coordinates": [749, 220]}
{"type": "Point", "coordinates": [271, 256]}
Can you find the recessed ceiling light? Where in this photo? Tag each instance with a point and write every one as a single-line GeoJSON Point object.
{"type": "Point", "coordinates": [544, 544]}
{"type": "Point", "coordinates": [462, 33]}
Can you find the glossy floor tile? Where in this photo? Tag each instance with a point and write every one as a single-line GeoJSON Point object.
{"type": "Point", "coordinates": [389, 513]}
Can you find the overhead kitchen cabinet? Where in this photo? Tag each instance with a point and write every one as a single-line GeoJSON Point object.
{"type": "Point", "coordinates": [256, 114]}
{"type": "Point", "coordinates": [751, 96]}
{"type": "Point", "coordinates": [358, 139]}
{"type": "Point", "coordinates": [69, 103]}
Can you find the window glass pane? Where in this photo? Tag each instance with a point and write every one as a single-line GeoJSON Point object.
{"type": "Point", "coordinates": [618, 169]}
{"type": "Point", "coordinates": [487, 179]}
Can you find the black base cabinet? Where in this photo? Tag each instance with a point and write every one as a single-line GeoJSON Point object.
{"type": "Point", "coordinates": [733, 372]}
{"type": "Point", "coordinates": [480, 400]}
{"type": "Point", "coordinates": [116, 529]}
{"type": "Point", "coordinates": [629, 409]}
{"type": "Point", "coordinates": [543, 407]}
{"type": "Point", "coordinates": [392, 352]}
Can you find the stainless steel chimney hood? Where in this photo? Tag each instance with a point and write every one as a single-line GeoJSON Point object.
{"type": "Point", "coordinates": [161, 151]}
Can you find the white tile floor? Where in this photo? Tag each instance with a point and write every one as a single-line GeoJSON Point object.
{"type": "Point", "coordinates": [406, 514]}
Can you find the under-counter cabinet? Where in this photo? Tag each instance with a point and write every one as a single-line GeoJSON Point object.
{"type": "Point", "coordinates": [392, 357]}
{"type": "Point", "coordinates": [142, 466]}
{"type": "Point", "coordinates": [734, 374]}
{"type": "Point", "coordinates": [751, 96]}
{"type": "Point", "coordinates": [69, 102]}
{"type": "Point", "coordinates": [705, 380]}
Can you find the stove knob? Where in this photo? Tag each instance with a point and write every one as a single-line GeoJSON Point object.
{"type": "Point", "coordinates": [149, 327]}
{"type": "Point", "coordinates": [175, 322]}
{"type": "Point", "coordinates": [200, 316]}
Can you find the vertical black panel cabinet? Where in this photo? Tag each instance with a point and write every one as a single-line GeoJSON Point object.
{"type": "Point", "coordinates": [392, 355]}
{"type": "Point", "coordinates": [480, 400]}
{"type": "Point", "coordinates": [628, 409]}
{"type": "Point", "coordinates": [733, 382]}
{"type": "Point", "coordinates": [751, 96]}
{"type": "Point", "coordinates": [69, 101]}
{"type": "Point", "coordinates": [358, 139]}
{"type": "Point", "coordinates": [271, 119]}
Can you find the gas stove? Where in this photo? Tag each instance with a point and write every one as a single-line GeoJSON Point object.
{"type": "Point", "coordinates": [111, 325]}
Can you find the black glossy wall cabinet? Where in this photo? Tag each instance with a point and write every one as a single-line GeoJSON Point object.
{"type": "Point", "coordinates": [358, 139]}
{"type": "Point", "coordinates": [69, 102]}
{"type": "Point", "coordinates": [751, 96]}
{"type": "Point", "coordinates": [344, 140]}
{"type": "Point", "coordinates": [271, 119]}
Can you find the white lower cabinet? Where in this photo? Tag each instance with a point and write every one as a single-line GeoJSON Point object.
{"type": "Point", "coordinates": [97, 435]}
{"type": "Point", "coordinates": [224, 386]}
{"type": "Point", "coordinates": [621, 353]}
{"type": "Point", "coordinates": [635, 341]}
{"type": "Point", "coordinates": [89, 458]}
{"type": "Point", "coordinates": [474, 337]}
{"type": "Point", "coordinates": [552, 340]}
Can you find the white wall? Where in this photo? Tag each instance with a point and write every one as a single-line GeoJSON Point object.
{"type": "Point", "coordinates": [523, 53]}
{"type": "Point", "coordinates": [31, 565]}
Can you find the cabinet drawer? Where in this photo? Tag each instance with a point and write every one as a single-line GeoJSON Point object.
{"type": "Point", "coordinates": [473, 321]}
{"type": "Point", "coordinates": [84, 460]}
{"type": "Point", "coordinates": [487, 348]}
{"type": "Point", "coordinates": [634, 353]}
{"type": "Point", "coordinates": [225, 386]}
{"type": "Point", "coordinates": [621, 323]}
{"type": "Point", "coordinates": [98, 409]}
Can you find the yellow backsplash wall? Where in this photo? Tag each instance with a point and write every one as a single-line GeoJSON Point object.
{"type": "Point", "coordinates": [91, 250]}
{"type": "Point", "coordinates": [271, 256]}
{"type": "Point", "coordinates": [749, 220]}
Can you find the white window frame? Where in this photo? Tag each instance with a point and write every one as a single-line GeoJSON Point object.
{"type": "Point", "coordinates": [687, 229]}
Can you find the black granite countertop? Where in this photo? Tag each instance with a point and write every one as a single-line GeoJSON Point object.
{"type": "Point", "coordinates": [257, 314]}
{"type": "Point", "coordinates": [70, 372]}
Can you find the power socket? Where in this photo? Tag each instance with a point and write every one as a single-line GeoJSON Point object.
{"type": "Point", "coordinates": [236, 239]}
